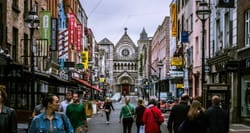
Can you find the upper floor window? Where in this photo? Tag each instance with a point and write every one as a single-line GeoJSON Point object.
{"type": "Point", "coordinates": [15, 44]}
{"type": "Point", "coordinates": [247, 28]}
{"type": "Point", "coordinates": [15, 4]}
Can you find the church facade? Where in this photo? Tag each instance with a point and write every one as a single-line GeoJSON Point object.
{"type": "Point", "coordinates": [123, 66]}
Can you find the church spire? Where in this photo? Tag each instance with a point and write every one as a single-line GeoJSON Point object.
{"type": "Point", "coordinates": [143, 35]}
{"type": "Point", "coordinates": [125, 30]}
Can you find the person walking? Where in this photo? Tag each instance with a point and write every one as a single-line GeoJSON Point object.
{"type": "Point", "coordinates": [107, 108]}
{"type": "Point", "coordinates": [77, 115]}
{"type": "Point", "coordinates": [152, 117]}
{"type": "Point", "coordinates": [127, 115]}
{"type": "Point", "coordinates": [68, 100]}
{"type": "Point", "coordinates": [51, 121]}
{"type": "Point", "coordinates": [195, 122]}
{"type": "Point", "coordinates": [8, 122]}
{"type": "Point", "coordinates": [178, 114]}
{"type": "Point", "coordinates": [39, 108]}
{"type": "Point", "coordinates": [217, 117]}
{"type": "Point", "coordinates": [139, 110]}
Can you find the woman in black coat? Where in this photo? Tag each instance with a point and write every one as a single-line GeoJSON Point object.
{"type": "Point", "coordinates": [196, 120]}
{"type": "Point", "coordinates": [107, 108]}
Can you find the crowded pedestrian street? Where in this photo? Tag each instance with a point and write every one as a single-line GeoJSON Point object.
{"type": "Point", "coordinates": [97, 124]}
{"type": "Point", "coordinates": [110, 66]}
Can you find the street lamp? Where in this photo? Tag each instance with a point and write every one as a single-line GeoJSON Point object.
{"type": "Point", "coordinates": [159, 65]}
{"type": "Point", "coordinates": [203, 11]}
{"type": "Point", "coordinates": [32, 22]}
{"type": "Point", "coordinates": [91, 63]}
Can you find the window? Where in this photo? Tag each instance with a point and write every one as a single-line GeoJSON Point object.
{"type": "Point", "coordinates": [26, 6]}
{"type": "Point", "coordinates": [25, 49]}
{"type": "Point", "coordinates": [247, 28]}
{"type": "Point", "coordinates": [226, 29]}
{"type": "Point", "coordinates": [1, 25]}
{"type": "Point", "coordinates": [14, 43]}
{"type": "Point", "coordinates": [15, 4]}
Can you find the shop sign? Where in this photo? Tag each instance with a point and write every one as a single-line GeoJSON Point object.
{"type": "Point", "coordinates": [176, 74]}
{"type": "Point", "coordinates": [63, 75]}
{"type": "Point", "coordinates": [176, 61]}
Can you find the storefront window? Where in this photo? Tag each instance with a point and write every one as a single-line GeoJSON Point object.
{"type": "Point", "coordinates": [245, 97]}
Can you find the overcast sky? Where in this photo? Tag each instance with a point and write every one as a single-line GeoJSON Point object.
{"type": "Point", "coordinates": [108, 18]}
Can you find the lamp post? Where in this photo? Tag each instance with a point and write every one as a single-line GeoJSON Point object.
{"type": "Point", "coordinates": [203, 13]}
{"type": "Point", "coordinates": [159, 65]}
{"type": "Point", "coordinates": [32, 22]}
{"type": "Point", "coordinates": [91, 63]}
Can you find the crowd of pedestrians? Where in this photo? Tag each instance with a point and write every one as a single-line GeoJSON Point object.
{"type": "Point", "coordinates": [193, 118]}
{"type": "Point", "coordinates": [51, 115]}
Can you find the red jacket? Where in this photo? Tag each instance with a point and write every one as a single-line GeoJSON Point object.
{"type": "Point", "coordinates": [148, 119]}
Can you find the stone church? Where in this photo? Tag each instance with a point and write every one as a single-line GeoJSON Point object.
{"type": "Point", "coordinates": [122, 64]}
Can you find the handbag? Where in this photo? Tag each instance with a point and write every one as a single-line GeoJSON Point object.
{"type": "Point", "coordinates": [156, 120]}
{"type": "Point", "coordinates": [130, 112]}
{"type": "Point", "coordinates": [106, 110]}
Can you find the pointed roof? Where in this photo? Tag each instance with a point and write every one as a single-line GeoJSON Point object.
{"type": "Point", "coordinates": [143, 35]}
{"type": "Point", "coordinates": [105, 41]}
{"type": "Point", "coordinates": [125, 38]}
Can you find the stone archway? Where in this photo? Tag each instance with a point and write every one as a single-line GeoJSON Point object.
{"type": "Point", "coordinates": [126, 85]}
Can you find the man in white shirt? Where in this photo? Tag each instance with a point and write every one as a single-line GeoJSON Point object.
{"type": "Point", "coordinates": [68, 100]}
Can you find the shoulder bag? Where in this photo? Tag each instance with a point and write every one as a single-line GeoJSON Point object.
{"type": "Point", "coordinates": [130, 112]}
{"type": "Point", "coordinates": [156, 120]}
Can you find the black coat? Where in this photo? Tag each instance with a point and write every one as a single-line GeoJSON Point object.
{"type": "Point", "coordinates": [108, 105]}
{"type": "Point", "coordinates": [197, 125]}
{"type": "Point", "coordinates": [177, 115]}
{"type": "Point", "coordinates": [8, 123]}
{"type": "Point", "coordinates": [217, 120]}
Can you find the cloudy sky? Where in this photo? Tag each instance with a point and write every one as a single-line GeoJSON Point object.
{"type": "Point", "coordinates": [108, 18]}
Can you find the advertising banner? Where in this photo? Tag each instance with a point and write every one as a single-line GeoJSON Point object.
{"type": "Point", "coordinates": [174, 20]}
{"type": "Point", "coordinates": [79, 38]}
{"type": "Point", "coordinates": [71, 28]}
{"type": "Point", "coordinates": [54, 34]}
{"type": "Point", "coordinates": [45, 23]}
{"type": "Point", "coordinates": [85, 59]}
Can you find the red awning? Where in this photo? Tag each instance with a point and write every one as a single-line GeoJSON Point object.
{"type": "Point", "coordinates": [87, 84]}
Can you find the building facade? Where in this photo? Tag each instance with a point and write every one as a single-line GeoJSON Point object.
{"type": "Point", "coordinates": [125, 65]}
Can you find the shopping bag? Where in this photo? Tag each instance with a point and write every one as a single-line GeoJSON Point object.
{"type": "Point", "coordinates": [142, 129]}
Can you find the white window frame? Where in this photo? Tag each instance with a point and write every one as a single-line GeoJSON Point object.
{"type": "Point", "coordinates": [247, 28]}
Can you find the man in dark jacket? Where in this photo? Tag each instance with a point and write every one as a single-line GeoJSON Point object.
{"type": "Point", "coordinates": [178, 114]}
{"type": "Point", "coordinates": [217, 118]}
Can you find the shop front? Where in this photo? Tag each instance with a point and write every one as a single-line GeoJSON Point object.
{"type": "Point", "coordinates": [245, 89]}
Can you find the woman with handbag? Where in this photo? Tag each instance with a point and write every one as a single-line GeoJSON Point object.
{"type": "Point", "coordinates": [107, 109]}
{"type": "Point", "coordinates": [127, 115]}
